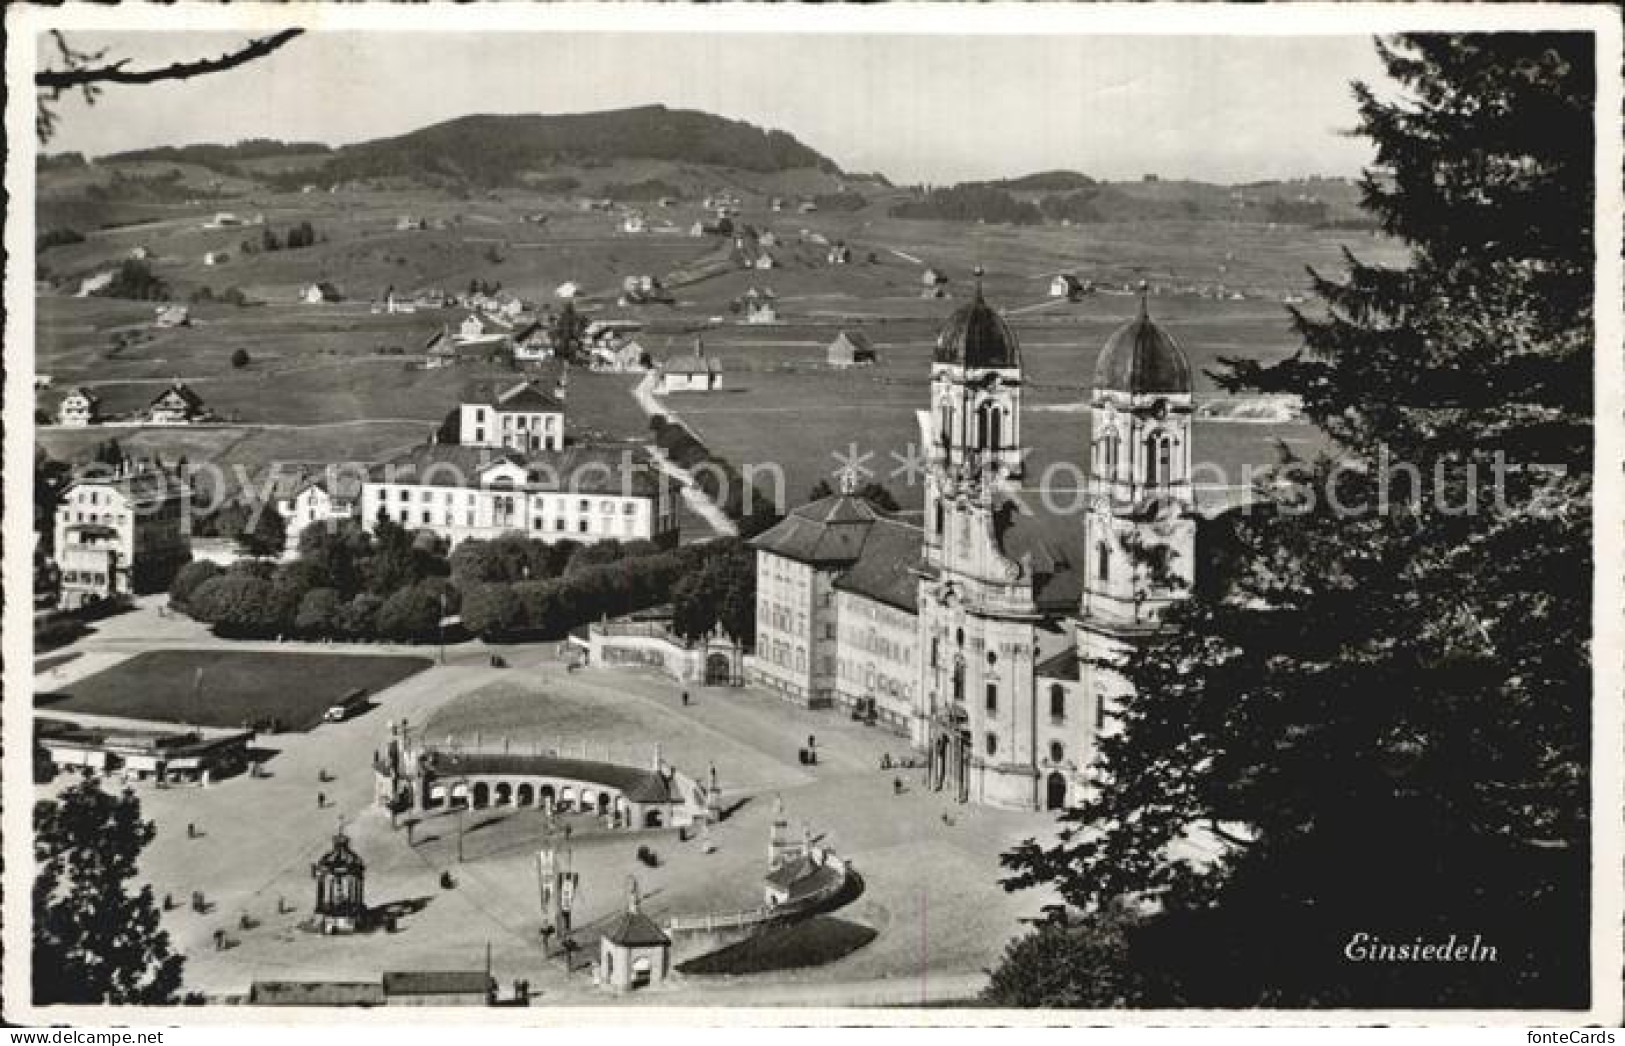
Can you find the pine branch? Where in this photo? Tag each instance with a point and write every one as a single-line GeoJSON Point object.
{"type": "Point", "coordinates": [116, 73]}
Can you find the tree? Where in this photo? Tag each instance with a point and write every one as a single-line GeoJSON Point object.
{"type": "Point", "coordinates": [95, 941]}
{"type": "Point", "coordinates": [1064, 965]}
{"type": "Point", "coordinates": [358, 619]}
{"type": "Point", "coordinates": [318, 613]}
{"type": "Point", "coordinates": [410, 613]}
{"type": "Point", "coordinates": [135, 280]}
{"type": "Point", "coordinates": [89, 71]}
{"type": "Point", "coordinates": [491, 610]}
{"type": "Point", "coordinates": [721, 592]}
{"type": "Point", "coordinates": [188, 579]}
{"type": "Point", "coordinates": [569, 328]}
{"type": "Point", "coordinates": [237, 606]}
{"type": "Point", "coordinates": [1380, 717]}
{"type": "Point", "coordinates": [239, 358]}
{"type": "Point", "coordinates": [264, 532]}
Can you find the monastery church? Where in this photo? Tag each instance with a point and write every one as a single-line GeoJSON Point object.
{"type": "Point", "coordinates": [982, 632]}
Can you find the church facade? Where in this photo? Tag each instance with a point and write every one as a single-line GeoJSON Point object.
{"type": "Point", "coordinates": [1017, 614]}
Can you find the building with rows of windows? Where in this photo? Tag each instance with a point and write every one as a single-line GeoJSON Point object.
{"type": "Point", "coordinates": [120, 531]}
{"type": "Point", "coordinates": [580, 493]}
{"type": "Point", "coordinates": [988, 633]}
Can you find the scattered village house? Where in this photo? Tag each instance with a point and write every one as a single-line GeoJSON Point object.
{"type": "Point", "coordinates": [173, 316]}
{"type": "Point", "coordinates": [621, 357]}
{"type": "Point", "coordinates": [315, 494]}
{"type": "Point", "coordinates": [318, 293]}
{"type": "Point", "coordinates": [215, 258]}
{"type": "Point", "coordinates": [176, 405]}
{"type": "Point", "coordinates": [694, 373]}
{"type": "Point", "coordinates": [851, 349]}
{"type": "Point", "coordinates": [120, 531]}
{"type": "Point", "coordinates": [522, 417]}
{"type": "Point", "coordinates": [1066, 285]}
{"type": "Point", "coordinates": [839, 254]}
{"type": "Point", "coordinates": [78, 408]}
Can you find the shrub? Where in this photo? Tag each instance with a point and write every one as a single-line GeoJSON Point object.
{"type": "Point", "coordinates": [59, 237]}
{"type": "Point", "coordinates": [318, 612]}
{"type": "Point", "coordinates": [410, 613]}
{"type": "Point", "coordinates": [188, 579]}
{"type": "Point", "coordinates": [237, 606]}
{"type": "Point", "coordinates": [358, 619]}
{"type": "Point", "coordinates": [239, 358]}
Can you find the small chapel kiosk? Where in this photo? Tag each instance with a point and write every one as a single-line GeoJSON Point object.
{"type": "Point", "coordinates": [634, 951]}
{"type": "Point", "coordinates": [341, 905]}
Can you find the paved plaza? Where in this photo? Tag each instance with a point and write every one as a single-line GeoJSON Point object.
{"type": "Point", "coordinates": [930, 881]}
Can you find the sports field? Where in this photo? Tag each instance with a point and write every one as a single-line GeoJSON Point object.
{"type": "Point", "coordinates": [230, 688]}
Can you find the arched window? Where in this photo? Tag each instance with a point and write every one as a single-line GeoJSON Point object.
{"type": "Point", "coordinates": [992, 744]}
{"type": "Point", "coordinates": [1158, 459]}
{"type": "Point", "coordinates": [1103, 560]}
{"type": "Point", "coordinates": [947, 423]}
{"type": "Point", "coordinates": [1057, 702]}
{"type": "Point", "coordinates": [1111, 448]}
{"type": "Point", "coordinates": [1057, 754]}
{"type": "Point", "coordinates": [992, 698]}
{"type": "Point", "coordinates": [959, 683]}
{"type": "Point", "coordinates": [936, 649]}
{"type": "Point", "coordinates": [941, 520]}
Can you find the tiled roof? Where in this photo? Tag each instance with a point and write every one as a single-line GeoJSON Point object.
{"type": "Point", "coordinates": [638, 785]}
{"type": "Point", "coordinates": [830, 531]}
{"type": "Point", "coordinates": [1054, 549]}
{"type": "Point", "coordinates": [1063, 665]}
{"type": "Point", "coordinates": [885, 568]}
{"type": "Point", "coordinates": [635, 930]}
{"type": "Point", "coordinates": [316, 993]}
{"type": "Point", "coordinates": [692, 365]}
{"type": "Point", "coordinates": [437, 982]}
{"type": "Point", "coordinates": [184, 391]}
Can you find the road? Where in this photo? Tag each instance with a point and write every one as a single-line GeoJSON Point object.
{"type": "Point", "coordinates": [693, 496]}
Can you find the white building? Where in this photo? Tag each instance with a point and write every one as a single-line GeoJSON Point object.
{"type": "Point", "coordinates": [583, 494]}
{"type": "Point", "coordinates": [1000, 671]}
{"type": "Point", "coordinates": [321, 496]}
{"type": "Point", "coordinates": [118, 532]}
{"type": "Point", "coordinates": [696, 373]}
{"type": "Point", "coordinates": [79, 408]}
{"type": "Point", "coordinates": [521, 417]}
{"type": "Point", "coordinates": [177, 405]}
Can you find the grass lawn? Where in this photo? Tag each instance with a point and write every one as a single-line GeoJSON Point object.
{"type": "Point", "coordinates": [45, 664]}
{"type": "Point", "coordinates": [237, 686]}
{"type": "Point", "coordinates": [811, 942]}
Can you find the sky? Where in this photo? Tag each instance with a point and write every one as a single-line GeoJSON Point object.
{"type": "Point", "coordinates": [926, 108]}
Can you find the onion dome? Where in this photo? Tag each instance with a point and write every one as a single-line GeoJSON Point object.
{"type": "Point", "coordinates": [976, 336]}
{"type": "Point", "coordinates": [341, 860]}
{"type": "Point", "coordinates": [1141, 358]}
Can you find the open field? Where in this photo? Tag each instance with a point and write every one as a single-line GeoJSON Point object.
{"type": "Point", "coordinates": [236, 686]}
{"type": "Point", "coordinates": [325, 383]}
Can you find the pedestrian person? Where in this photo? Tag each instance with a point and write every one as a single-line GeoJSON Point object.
{"type": "Point", "coordinates": [321, 800]}
{"type": "Point", "coordinates": [897, 786]}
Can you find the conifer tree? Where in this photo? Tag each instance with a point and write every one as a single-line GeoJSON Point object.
{"type": "Point", "coordinates": [1372, 716]}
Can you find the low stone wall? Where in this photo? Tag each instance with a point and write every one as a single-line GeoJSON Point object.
{"type": "Point", "coordinates": [695, 935]}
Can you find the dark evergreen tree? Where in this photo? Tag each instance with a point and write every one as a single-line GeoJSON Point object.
{"type": "Point", "coordinates": [94, 940]}
{"type": "Point", "coordinates": [1376, 708]}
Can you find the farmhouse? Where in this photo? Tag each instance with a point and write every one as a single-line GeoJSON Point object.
{"type": "Point", "coordinates": [633, 222]}
{"type": "Point", "coordinates": [532, 343]}
{"type": "Point", "coordinates": [479, 329]}
{"type": "Point", "coordinates": [839, 254]}
{"type": "Point", "coordinates": [567, 289]}
{"type": "Point", "coordinates": [410, 223]}
{"type": "Point", "coordinates": [764, 260]}
{"type": "Point", "coordinates": [850, 349]}
{"type": "Point", "coordinates": [215, 258]}
{"type": "Point", "coordinates": [318, 293]}
{"type": "Point", "coordinates": [522, 417]}
{"type": "Point", "coordinates": [622, 357]}
{"type": "Point", "coordinates": [95, 284]}
{"type": "Point", "coordinates": [696, 373]}
{"type": "Point", "coordinates": [321, 495]}
{"type": "Point", "coordinates": [173, 316]}
{"type": "Point", "coordinates": [583, 493]}
{"type": "Point", "coordinates": [988, 633]}
{"type": "Point", "coordinates": [140, 253]}
{"type": "Point", "coordinates": [1065, 285]}
{"type": "Point", "coordinates": [119, 532]}
{"type": "Point", "coordinates": [176, 405]}
{"type": "Point", "coordinates": [79, 408]}
{"type": "Point", "coordinates": [761, 311]}
{"type": "Point", "coordinates": [223, 220]}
